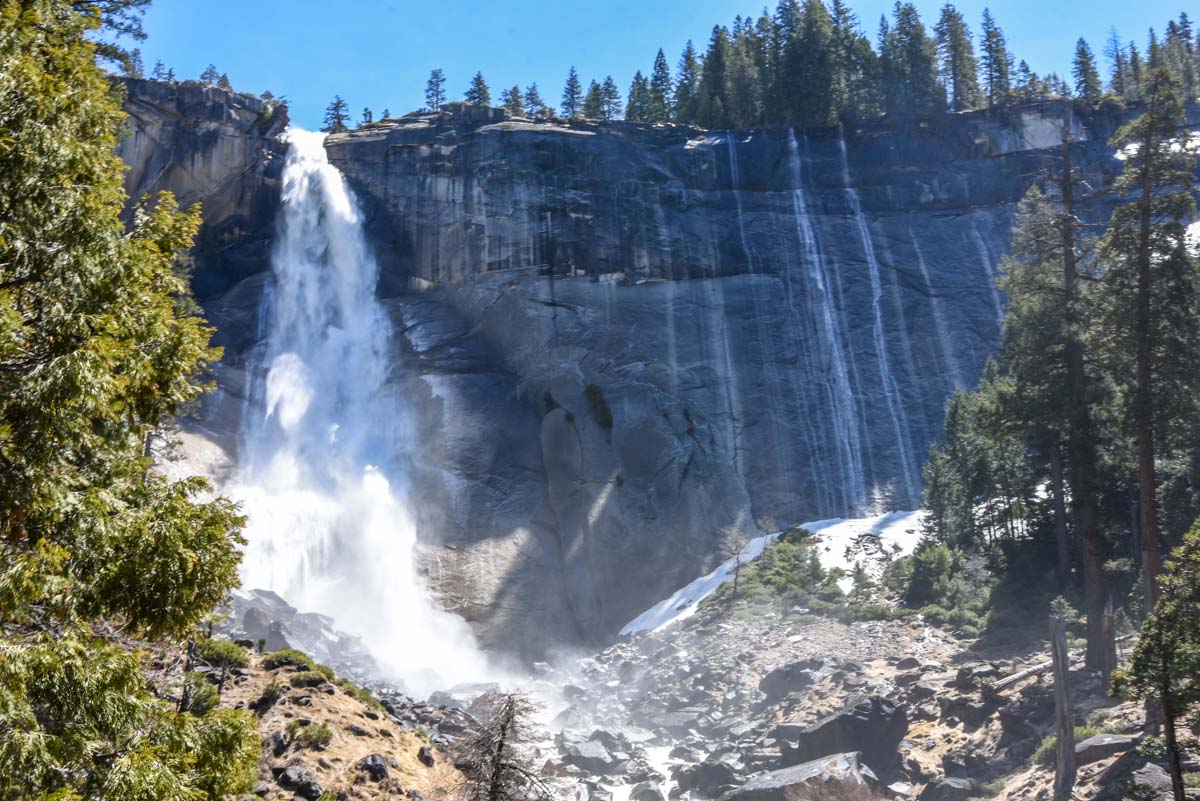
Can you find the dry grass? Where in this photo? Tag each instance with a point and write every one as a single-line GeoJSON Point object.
{"type": "Point", "coordinates": [357, 730]}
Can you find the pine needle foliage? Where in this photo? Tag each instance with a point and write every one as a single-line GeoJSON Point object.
{"type": "Point", "coordinates": [98, 349]}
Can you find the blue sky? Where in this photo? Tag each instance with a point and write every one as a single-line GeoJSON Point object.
{"type": "Point", "coordinates": [378, 53]}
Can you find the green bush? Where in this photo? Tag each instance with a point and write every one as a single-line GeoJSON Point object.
{"type": "Point", "coordinates": [787, 574]}
{"type": "Point", "coordinates": [352, 689]}
{"type": "Point", "coordinates": [202, 696]}
{"type": "Point", "coordinates": [286, 657]}
{"type": "Point", "coordinates": [600, 409]}
{"type": "Point", "coordinates": [307, 678]}
{"type": "Point", "coordinates": [310, 735]}
{"type": "Point", "coordinates": [221, 652]}
{"type": "Point", "coordinates": [270, 695]}
{"type": "Point", "coordinates": [1048, 749]}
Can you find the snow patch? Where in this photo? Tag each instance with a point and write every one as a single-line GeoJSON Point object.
{"type": "Point", "coordinates": [838, 542]}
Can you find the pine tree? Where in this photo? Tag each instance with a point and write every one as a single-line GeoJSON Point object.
{"type": "Point", "coordinates": [572, 97]}
{"type": "Point", "coordinates": [996, 63]}
{"type": "Point", "coordinates": [477, 93]}
{"type": "Point", "coordinates": [712, 94]}
{"type": "Point", "coordinates": [1151, 336]}
{"type": "Point", "coordinates": [367, 117]}
{"type": "Point", "coordinates": [534, 105]}
{"type": "Point", "coordinates": [853, 93]}
{"type": "Point", "coordinates": [1166, 660]}
{"type": "Point", "coordinates": [386, 115]}
{"type": "Point", "coordinates": [808, 62]}
{"type": "Point", "coordinates": [959, 67]}
{"type": "Point", "coordinates": [639, 106]}
{"type": "Point", "coordinates": [687, 86]}
{"type": "Point", "coordinates": [745, 84]}
{"type": "Point", "coordinates": [513, 102]}
{"type": "Point", "coordinates": [610, 99]}
{"type": "Point", "coordinates": [1133, 86]}
{"type": "Point", "coordinates": [661, 93]}
{"type": "Point", "coordinates": [593, 102]}
{"type": "Point", "coordinates": [1087, 77]}
{"type": "Point", "coordinates": [98, 350]}
{"type": "Point", "coordinates": [908, 63]}
{"type": "Point", "coordinates": [159, 73]}
{"type": "Point", "coordinates": [435, 91]}
{"type": "Point", "coordinates": [170, 75]}
{"type": "Point", "coordinates": [210, 75]}
{"type": "Point", "coordinates": [1114, 51]}
{"type": "Point", "coordinates": [223, 83]}
{"type": "Point", "coordinates": [337, 114]}
{"type": "Point", "coordinates": [1029, 87]}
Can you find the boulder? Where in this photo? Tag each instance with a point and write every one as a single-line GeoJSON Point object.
{"type": "Point", "coordinates": [837, 776]}
{"type": "Point", "coordinates": [374, 766]}
{"type": "Point", "coordinates": [1152, 780]}
{"type": "Point", "coordinates": [790, 678]}
{"type": "Point", "coordinates": [710, 778]}
{"type": "Point", "coordinates": [300, 781]}
{"type": "Point", "coordinates": [950, 789]}
{"type": "Point", "coordinates": [590, 756]}
{"type": "Point", "coordinates": [646, 791]}
{"type": "Point", "coordinates": [1102, 746]}
{"type": "Point", "coordinates": [425, 756]}
{"type": "Point", "coordinates": [873, 726]}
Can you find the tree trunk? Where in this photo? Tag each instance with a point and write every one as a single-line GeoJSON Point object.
{"type": "Point", "coordinates": [1143, 400]}
{"type": "Point", "coordinates": [1064, 766]}
{"type": "Point", "coordinates": [1060, 513]}
{"type": "Point", "coordinates": [1080, 452]}
{"type": "Point", "coordinates": [1174, 763]}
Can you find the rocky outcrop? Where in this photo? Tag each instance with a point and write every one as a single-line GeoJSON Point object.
{"type": "Point", "coordinates": [624, 348]}
{"type": "Point", "coordinates": [840, 776]}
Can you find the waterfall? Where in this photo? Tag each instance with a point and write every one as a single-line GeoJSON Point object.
{"type": "Point", "coordinates": [949, 362]}
{"type": "Point", "coordinates": [989, 272]}
{"type": "Point", "coordinates": [322, 468]}
{"type": "Point", "coordinates": [846, 431]}
{"type": "Point", "coordinates": [891, 391]}
{"type": "Point", "coordinates": [735, 180]}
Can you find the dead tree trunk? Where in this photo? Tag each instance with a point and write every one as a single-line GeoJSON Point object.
{"type": "Point", "coordinates": [1064, 766]}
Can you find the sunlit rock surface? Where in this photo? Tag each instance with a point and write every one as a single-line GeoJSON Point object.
{"type": "Point", "coordinates": [770, 324]}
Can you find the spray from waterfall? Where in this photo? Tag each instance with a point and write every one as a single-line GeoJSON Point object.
{"type": "Point", "coordinates": [322, 473]}
{"type": "Point", "coordinates": [891, 393]}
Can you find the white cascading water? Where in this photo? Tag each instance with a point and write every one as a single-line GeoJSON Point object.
{"type": "Point", "coordinates": [321, 478]}
{"type": "Point", "coordinates": [847, 434]}
{"type": "Point", "coordinates": [891, 390]}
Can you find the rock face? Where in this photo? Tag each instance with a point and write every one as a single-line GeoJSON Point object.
{"type": "Point", "coordinates": [840, 776]}
{"type": "Point", "coordinates": [623, 347]}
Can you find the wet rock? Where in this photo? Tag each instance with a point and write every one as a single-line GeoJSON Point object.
{"type": "Point", "coordinates": [710, 778]}
{"type": "Point", "coordinates": [1102, 746]}
{"type": "Point", "coordinates": [590, 756]}
{"type": "Point", "coordinates": [840, 776]}
{"type": "Point", "coordinates": [646, 791]}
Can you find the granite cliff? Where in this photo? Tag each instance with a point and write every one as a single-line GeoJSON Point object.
{"type": "Point", "coordinates": [624, 348]}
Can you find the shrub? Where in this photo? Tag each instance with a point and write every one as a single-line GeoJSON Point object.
{"type": "Point", "coordinates": [600, 409]}
{"type": "Point", "coordinates": [310, 735]}
{"type": "Point", "coordinates": [221, 652]}
{"type": "Point", "coordinates": [202, 696]}
{"type": "Point", "coordinates": [1048, 750]}
{"type": "Point", "coordinates": [285, 657]}
{"type": "Point", "coordinates": [307, 678]}
{"type": "Point", "coordinates": [353, 690]}
{"type": "Point", "coordinates": [270, 695]}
